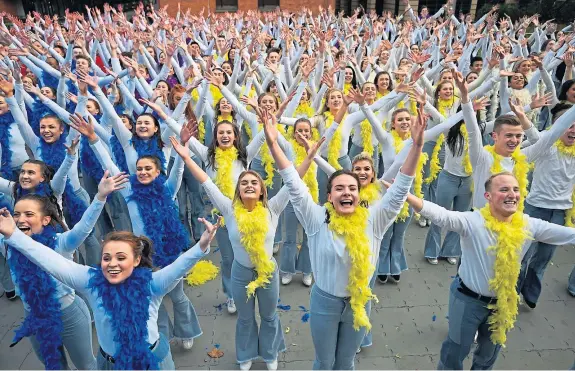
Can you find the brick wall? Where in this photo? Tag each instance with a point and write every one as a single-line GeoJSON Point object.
{"type": "Point", "coordinates": [196, 6]}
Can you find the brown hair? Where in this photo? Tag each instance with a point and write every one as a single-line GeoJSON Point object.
{"type": "Point", "coordinates": [490, 179]}
{"type": "Point", "coordinates": [141, 246]}
{"type": "Point", "coordinates": [263, 196]}
{"type": "Point", "coordinates": [505, 120]}
{"type": "Point", "coordinates": [327, 94]}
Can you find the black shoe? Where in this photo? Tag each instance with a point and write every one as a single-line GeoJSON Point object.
{"type": "Point", "coordinates": [382, 278]}
{"type": "Point", "coordinates": [11, 295]}
{"type": "Point", "coordinates": [396, 277]}
{"type": "Point", "coordinates": [530, 304]}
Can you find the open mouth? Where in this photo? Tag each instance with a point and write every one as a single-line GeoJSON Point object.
{"type": "Point", "coordinates": [114, 272]}
{"type": "Point", "coordinates": [24, 228]}
{"type": "Point", "coordinates": [363, 177]}
{"type": "Point", "coordinates": [250, 191]}
{"type": "Point", "coordinates": [510, 202]}
{"type": "Point", "coordinates": [346, 203]}
{"type": "Point", "coordinates": [225, 141]}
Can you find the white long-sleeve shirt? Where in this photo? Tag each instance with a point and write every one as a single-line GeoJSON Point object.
{"type": "Point", "coordinates": [329, 257]}
{"type": "Point", "coordinates": [477, 261]}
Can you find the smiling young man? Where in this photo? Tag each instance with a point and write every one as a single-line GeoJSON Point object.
{"type": "Point", "coordinates": [550, 199]}
{"type": "Point", "coordinates": [494, 239]}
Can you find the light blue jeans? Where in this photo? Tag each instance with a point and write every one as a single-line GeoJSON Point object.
{"type": "Point", "coordinates": [294, 260]}
{"type": "Point", "coordinates": [76, 337]}
{"type": "Point", "coordinates": [322, 178]}
{"type": "Point", "coordinates": [252, 343]}
{"type": "Point", "coordinates": [257, 166]}
{"type": "Point", "coordinates": [392, 254]}
{"type": "Point", "coordinates": [467, 316]}
{"type": "Point", "coordinates": [227, 254]}
{"type": "Point", "coordinates": [5, 277]}
{"type": "Point", "coordinates": [186, 324]}
{"type": "Point", "coordinates": [571, 287]}
{"type": "Point", "coordinates": [368, 338]}
{"type": "Point", "coordinates": [429, 190]}
{"type": "Point", "coordinates": [538, 256]}
{"type": "Point", "coordinates": [161, 351]}
{"type": "Point", "coordinates": [334, 338]}
{"type": "Point", "coordinates": [356, 150]}
{"type": "Point", "coordinates": [455, 195]}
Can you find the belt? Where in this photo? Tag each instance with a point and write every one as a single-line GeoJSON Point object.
{"type": "Point", "coordinates": [111, 359]}
{"type": "Point", "coordinates": [468, 292]}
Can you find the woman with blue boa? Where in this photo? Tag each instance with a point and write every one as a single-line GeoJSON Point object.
{"type": "Point", "coordinates": [51, 148]}
{"type": "Point", "coordinates": [129, 339]}
{"type": "Point", "coordinates": [150, 197]}
{"type": "Point", "coordinates": [55, 316]}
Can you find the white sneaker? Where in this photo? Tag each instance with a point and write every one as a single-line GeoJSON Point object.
{"type": "Point", "coordinates": [276, 248]}
{"type": "Point", "coordinates": [422, 222]}
{"type": "Point", "coordinates": [432, 261]}
{"type": "Point", "coordinates": [475, 339]}
{"type": "Point", "coordinates": [286, 278]}
{"type": "Point", "coordinates": [452, 261]}
{"type": "Point", "coordinates": [245, 365]}
{"type": "Point", "coordinates": [187, 343]}
{"type": "Point", "coordinates": [307, 279]}
{"type": "Point", "coordinates": [231, 306]}
{"type": "Point", "coordinates": [272, 366]}
{"type": "Point", "coordinates": [428, 222]}
{"type": "Point", "coordinates": [358, 350]}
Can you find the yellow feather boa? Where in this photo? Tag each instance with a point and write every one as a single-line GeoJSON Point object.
{"type": "Point", "coordinates": [268, 160]}
{"type": "Point", "coordinates": [412, 106]}
{"type": "Point", "coordinates": [510, 238]}
{"type": "Point", "coordinates": [334, 144]}
{"type": "Point", "coordinates": [370, 192]}
{"type": "Point", "coordinates": [366, 130]}
{"type": "Point", "coordinates": [310, 178]}
{"type": "Point", "coordinates": [520, 169]}
{"type": "Point", "coordinates": [568, 151]}
{"type": "Point", "coordinates": [398, 143]}
{"type": "Point", "coordinates": [466, 159]}
{"type": "Point", "coordinates": [352, 229]}
{"type": "Point", "coordinates": [224, 176]}
{"type": "Point", "coordinates": [202, 272]}
{"type": "Point", "coordinates": [214, 90]}
{"type": "Point", "coordinates": [253, 227]}
{"type": "Point", "coordinates": [304, 110]}
{"type": "Point", "coordinates": [443, 106]}
{"type": "Point", "coordinates": [346, 88]}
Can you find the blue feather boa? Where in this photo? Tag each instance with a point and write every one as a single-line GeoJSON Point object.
{"type": "Point", "coordinates": [162, 223]}
{"type": "Point", "coordinates": [5, 169]}
{"type": "Point", "coordinates": [48, 80]}
{"type": "Point", "coordinates": [38, 290]}
{"type": "Point", "coordinates": [42, 189]}
{"type": "Point", "coordinates": [38, 111]}
{"type": "Point", "coordinates": [128, 306]}
{"type": "Point", "coordinates": [149, 147]}
{"type": "Point", "coordinates": [53, 155]}
{"type": "Point", "coordinates": [88, 161]}
{"type": "Point", "coordinates": [118, 152]}
{"type": "Point", "coordinates": [72, 88]}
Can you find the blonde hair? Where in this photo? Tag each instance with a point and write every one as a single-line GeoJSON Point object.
{"type": "Point", "coordinates": [364, 156]}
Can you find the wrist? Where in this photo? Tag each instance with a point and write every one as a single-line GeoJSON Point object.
{"type": "Point", "coordinates": [93, 139]}
{"type": "Point", "coordinates": [101, 197]}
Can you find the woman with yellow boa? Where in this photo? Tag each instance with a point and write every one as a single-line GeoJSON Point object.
{"type": "Point", "coordinates": [344, 239]}
{"type": "Point", "coordinates": [251, 220]}
{"type": "Point", "coordinates": [483, 296]}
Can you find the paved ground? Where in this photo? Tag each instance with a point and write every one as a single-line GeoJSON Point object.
{"type": "Point", "coordinates": [409, 323]}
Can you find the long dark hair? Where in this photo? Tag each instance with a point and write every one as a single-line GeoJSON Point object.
{"type": "Point", "coordinates": [564, 88]}
{"type": "Point", "coordinates": [47, 208]}
{"type": "Point", "coordinates": [381, 73]}
{"type": "Point", "coordinates": [455, 140]}
{"type": "Point", "coordinates": [354, 78]}
{"type": "Point", "coordinates": [242, 154]}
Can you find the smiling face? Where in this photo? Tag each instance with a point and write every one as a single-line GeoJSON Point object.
{"type": "Point", "coordinates": [221, 42]}
{"type": "Point", "coordinates": [348, 75]}
{"type": "Point", "coordinates": [93, 107]}
{"type": "Point", "coordinates": [503, 195]}
{"type": "Point", "coordinates": [163, 88]}
{"type": "Point", "coordinates": [568, 137]}
{"type": "Point", "coordinates": [146, 171]}
{"type": "Point", "coordinates": [334, 100]}
{"type": "Point", "coordinates": [268, 102]}
{"type": "Point", "coordinates": [446, 91]}
{"type": "Point", "coordinates": [225, 135]}
{"type": "Point", "coordinates": [477, 66]}
{"type": "Point", "coordinates": [82, 65]}
{"type": "Point", "coordinates": [30, 175]}
{"type": "Point", "coordinates": [46, 91]}
{"type": "Point", "coordinates": [402, 123]}
{"type": "Point", "coordinates": [126, 122]}
{"type": "Point", "coordinates": [118, 261]}
{"type": "Point", "coordinates": [384, 56]}
{"type": "Point", "coordinates": [365, 172]}
{"type": "Point", "coordinates": [507, 138]}
{"type": "Point", "coordinates": [570, 94]}
{"type": "Point", "coordinates": [344, 194]}
{"type": "Point", "coordinates": [517, 81]}
{"type": "Point", "coordinates": [29, 218]}
{"type": "Point", "coordinates": [146, 127]}
{"type": "Point", "coordinates": [227, 67]}
{"type": "Point", "coordinates": [250, 187]}
{"type": "Point", "coordinates": [225, 106]}
{"type": "Point", "coordinates": [302, 128]}
{"type": "Point", "coordinates": [525, 67]}
{"type": "Point", "coordinates": [273, 57]}
{"type": "Point", "coordinates": [51, 129]}
{"type": "Point", "coordinates": [369, 90]}
{"type": "Point", "coordinates": [382, 82]}
{"type": "Point", "coordinates": [472, 76]}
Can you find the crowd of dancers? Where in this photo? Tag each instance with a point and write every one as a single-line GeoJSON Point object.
{"type": "Point", "coordinates": [315, 136]}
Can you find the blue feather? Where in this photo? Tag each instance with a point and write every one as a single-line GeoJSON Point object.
{"type": "Point", "coordinates": [38, 291]}
{"type": "Point", "coordinates": [88, 161]}
{"type": "Point", "coordinates": [5, 169]}
{"type": "Point", "coordinates": [162, 223]}
{"type": "Point", "coordinates": [48, 80]}
{"type": "Point", "coordinates": [149, 148]}
{"type": "Point", "coordinates": [118, 152]}
{"type": "Point", "coordinates": [305, 317]}
{"type": "Point", "coordinates": [38, 111]}
{"type": "Point", "coordinates": [128, 306]}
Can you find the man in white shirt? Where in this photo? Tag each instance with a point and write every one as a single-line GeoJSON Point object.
{"type": "Point", "coordinates": [549, 199]}
{"type": "Point", "coordinates": [473, 299]}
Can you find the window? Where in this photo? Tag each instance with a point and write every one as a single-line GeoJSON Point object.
{"type": "Point", "coordinates": [226, 5]}
{"type": "Point", "coordinates": [268, 4]}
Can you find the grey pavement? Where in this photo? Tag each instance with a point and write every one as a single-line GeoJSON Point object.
{"type": "Point", "coordinates": [409, 322]}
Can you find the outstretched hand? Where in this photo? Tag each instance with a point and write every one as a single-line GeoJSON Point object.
{"type": "Point", "coordinates": [7, 224]}
{"type": "Point", "coordinates": [209, 232]}
{"type": "Point", "coordinates": [109, 184]}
